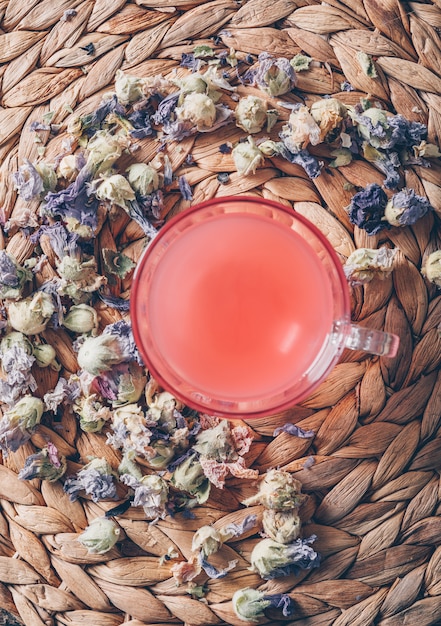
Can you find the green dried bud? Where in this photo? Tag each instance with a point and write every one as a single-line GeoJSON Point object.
{"type": "Point", "coordinates": [45, 356]}
{"type": "Point", "coordinates": [68, 167]}
{"type": "Point", "coordinates": [128, 465]}
{"type": "Point", "coordinates": [377, 117]}
{"type": "Point", "coordinates": [81, 318]}
{"type": "Point", "coordinates": [162, 410]}
{"type": "Point", "coordinates": [13, 276]}
{"type": "Point", "coordinates": [193, 83]}
{"type": "Point", "coordinates": [279, 491]}
{"type": "Point", "coordinates": [143, 178]}
{"type": "Point", "coordinates": [189, 476]}
{"type": "Point", "coordinates": [366, 263]}
{"type": "Point", "coordinates": [79, 278]}
{"type": "Point", "coordinates": [46, 465]}
{"type": "Point", "coordinates": [206, 540]}
{"type": "Point", "coordinates": [31, 315]}
{"type": "Point", "coordinates": [104, 149]}
{"type": "Point", "coordinates": [269, 148]}
{"type": "Point", "coordinates": [93, 414]}
{"type": "Point", "coordinates": [17, 339]}
{"type": "Point", "coordinates": [249, 604]}
{"type": "Point", "coordinates": [99, 354]}
{"type": "Point", "coordinates": [367, 64]}
{"type": "Point", "coordinates": [251, 114]}
{"type": "Point", "coordinates": [247, 157]}
{"type": "Point", "coordinates": [48, 175]}
{"type": "Point", "coordinates": [432, 268]}
{"type": "Point", "coordinates": [116, 189]}
{"type": "Point", "coordinates": [100, 536]}
{"type": "Point", "coordinates": [26, 413]}
{"type": "Point", "coordinates": [281, 526]}
{"type": "Point", "coordinates": [116, 263]}
{"type": "Point", "coordinates": [161, 455]}
{"type": "Point", "coordinates": [198, 109]}
{"type": "Point", "coordinates": [128, 88]}
{"type": "Point", "coordinates": [216, 443]}
{"type": "Point", "coordinates": [300, 62]}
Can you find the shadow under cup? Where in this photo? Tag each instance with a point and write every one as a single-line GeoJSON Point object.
{"type": "Point", "coordinates": [240, 307]}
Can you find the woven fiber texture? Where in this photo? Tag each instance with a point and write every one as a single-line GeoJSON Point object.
{"type": "Point", "coordinates": [370, 468]}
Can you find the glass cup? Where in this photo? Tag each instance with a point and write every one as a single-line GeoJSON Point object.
{"type": "Point", "coordinates": [240, 307]}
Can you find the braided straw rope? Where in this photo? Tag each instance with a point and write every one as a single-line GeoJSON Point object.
{"type": "Point", "coordinates": [373, 490]}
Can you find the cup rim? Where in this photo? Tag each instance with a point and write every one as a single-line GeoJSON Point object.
{"type": "Point", "coordinates": [136, 287]}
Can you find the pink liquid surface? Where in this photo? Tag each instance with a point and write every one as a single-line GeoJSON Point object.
{"type": "Point", "coordinates": [239, 306]}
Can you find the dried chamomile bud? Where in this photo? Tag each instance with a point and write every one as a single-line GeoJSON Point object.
{"type": "Point", "coordinates": [247, 157]}
{"type": "Point", "coordinates": [189, 476]}
{"type": "Point", "coordinates": [116, 189]}
{"type": "Point", "coordinates": [432, 268]}
{"type": "Point", "coordinates": [99, 354]}
{"type": "Point", "coordinates": [281, 526]}
{"type": "Point", "coordinates": [81, 318]}
{"type": "Point", "coordinates": [406, 208]}
{"type": "Point", "coordinates": [13, 276]}
{"type": "Point", "coordinates": [206, 540]}
{"type": "Point", "coordinates": [279, 491]}
{"type": "Point", "coordinates": [128, 88]}
{"type": "Point", "coordinates": [31, 315]}
{"type": "Point", "coordinates": [366, 263]}
{"type": "Point", "coordinates": [143, 178]}
{"type": "Point", "coordinates": [45, 356]}
{"type": "Point", "coordinates": [199, 109]}
{"type": "Point", "coordinates": [93, 414]}
{"type": "Point", "coordinates": [251, 114]}
{"type": "Point", "coordinates": [250, 604]}
{"type": "Point", "coordinates": [15, 339]}
{"type": "Point", "coordinates": [273, 560]}
{"type": "Point", "coordinates": [47, 464]}
{"type": "Point", "coordinates": [100, 536]}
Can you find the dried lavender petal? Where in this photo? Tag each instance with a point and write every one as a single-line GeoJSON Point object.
{"type": "Point", "coordinates": [28, 182]}
{"type": "Point", "coordinates": [185, 188]}
{"type": "Point", "coordinates": [294, 430]}
{"type": "Point", "coordinates": [367, 209]}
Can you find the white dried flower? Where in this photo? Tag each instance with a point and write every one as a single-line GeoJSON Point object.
{"type": "Point", "coordinates": [281, 526]}
{"type": "Point", "coordinates": [198, 109]}
{"type": "Point", "coordinates": [99, 354]}
{"type": "Point", "coordinates": [81, 318]}
{"type": "Point", "coordinates": [100, 536]}
{"type": "Point", "coordinates": [31, 315]}
{"type": "Point", "coordinates": [116, 189]}
{"type": "Point", "coordinates": [247, 157]}
{"type": "Point", "coordinates": [128, 88]}
{"type": "Point", "coordinates": [279, 491]}
{"type": "Point", "coordinates": [251, 114]}
{"type": "Point", "coordinates": [143, 178]}
{"type": "Point", "coordinates": [432, 268]}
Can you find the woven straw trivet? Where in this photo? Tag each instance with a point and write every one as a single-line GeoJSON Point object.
{"type": "Point", "coordinates": [374, 489]}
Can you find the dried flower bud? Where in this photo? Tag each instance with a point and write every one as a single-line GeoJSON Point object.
{"type": "Point", "coordinates": [45, 356]}
{"type": "Point", "coordinates": [46, 465]}
{"type": "Point", "coordinates": [100, 536]}
{"type": "Point", "coordinates": [199, 109]}
{"type": "Point", "coordinates": [116, 189]}
{"type": "Point", "coordinates": [301, 130]}
{"type": "Point", "coordinates": [104, 149]}
{"type": "Point", "coordinates": [128, 88]}
{"type": "Point", "coordinates": [48, 175]}
{"type": "Point", "coordinates": [279, 491]}
{"type": "Point", "coordinates": [151, 492]}
{"type": "Point", "coordinates": [13, 276]}
{"type": "Point", "coordinates": [26, 413]}
{"type": "Point", "coordinates": [189, 476]}
{"type": "Point", "coordinates": [99, 354]}
{"type": "Point", "coordinates": [273, 560]}
{"type": "Point", "coordinates": [281, 526]}
{"type": "Point", "coordinates": [79, 278]}
{"type": "Point", "coordinates": [16, 339]}
{"type": "Point", "coordinates": [93, 414]}
{"type": "Point", "coordinates": [192, 83]}
{"type": "Point", "coordinates": [405, 208]}
{"type": "Point", "coordinates": [68, 167]}
{"type": "Point", "coordinates": [216, 442]}
{"type": "Point", "coordinates": [251, 114]}
{"type": "Point", "coordinates": [372, 125]}
{"type": "Point", "coordinates": [31, 315]}
{"type": "Point", "coordinates": [329, 114]}
{"type": "Point", "coordinates": [129, 466]}
{"type": "Point", "coordinates": [160, 454]}
{"type": "Point", "coordinates": [365, 263]}
{"type": "Point", "coordinates": [162, 410]}
{"type": "Point", "coordinates": [143, 178]}
{"type": "Point", "coordinates": [432, 268]}
{"type": "Point", "coordinates": [206, 540]}
{"type": "Point", "coordinates": [81, 318]}
{"type": "Point", "coordinates": [247, 157]}
{"type": "Point", "coordinates": [274, 76]}
{"type": "Point", "coordinates": [250, 604]}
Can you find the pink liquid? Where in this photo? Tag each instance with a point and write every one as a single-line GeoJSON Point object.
{"type": "Point", "coordinates": [239, 306]}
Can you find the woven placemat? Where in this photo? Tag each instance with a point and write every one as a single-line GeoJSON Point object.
{"type": "Point", "coordinates": [371, 468]}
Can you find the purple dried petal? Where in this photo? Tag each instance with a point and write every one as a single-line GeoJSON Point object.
{"type": "Point", "coordinates": [114, 302]}
{"type": "Point", "coordinates": [294, 430]}
{"type": "Point", "coordinates": [367, 209]}
{"type": "Point", "coordinates": [185, 188]}
{"type": "Point", "coordinates": [281, 601]}
{"type": "Point", "coordinates": [28, 182]}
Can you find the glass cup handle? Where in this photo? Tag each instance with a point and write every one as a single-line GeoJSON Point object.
{"type": "Point", "coordinates": [372, 341]}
